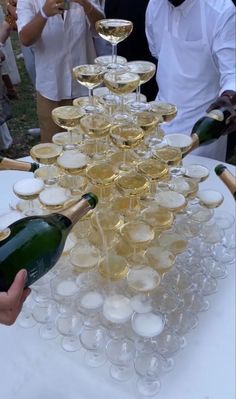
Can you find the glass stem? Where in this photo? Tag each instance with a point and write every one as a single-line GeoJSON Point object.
{"type": "Point", "coordinates": [114, 54]}
{"type": "Point", "coordinates": [138, 94]}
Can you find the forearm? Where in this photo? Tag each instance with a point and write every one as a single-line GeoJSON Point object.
{"type": "Point", "coordinates": [93, 14]}
{"type": "Point", "coordinates": [31, 32]}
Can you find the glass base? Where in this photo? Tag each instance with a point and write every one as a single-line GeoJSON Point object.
{"type": "Point", "coordinates": [71, 344]}
{"type": "Point", "coordinates": [48, 331]}
{"type": "Point", "coordinates": [94, 359]}
{"type": "Point", "coordinates": [121, 373]}
{"type": "Point", "coordinates": [137, 106]}
{"type": "Point", "coordinates": [148, 387]}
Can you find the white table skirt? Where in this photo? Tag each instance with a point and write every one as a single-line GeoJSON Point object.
{"type": "Point", "coordinates": [33, 368]}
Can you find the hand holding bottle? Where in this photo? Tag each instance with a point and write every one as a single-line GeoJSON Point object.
{"type": "Point", "coordinates": [11, 301]}
{"type": "Point", "coordinates": [227, 100]}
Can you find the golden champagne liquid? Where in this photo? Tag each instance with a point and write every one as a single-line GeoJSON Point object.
{"type": "Point", "coordinates": [138, 234]}
{"type": "Point", "coordinates": [143, 278]}
{"type": "Point", "coordinates": [171, 200]}
{"type": "Point", "coordinates": [166, 110]}
{"type": "Point", "coordinates": [85, 100]}
{"type": "Point", "coordinates": [84, 257]}
{"type": "Point", "coordinates": [117, 158]}
{"type": "Point", "coordinates": [102, 173]}
{"type": "Point", "coordinates": [45, 153]}
{"type": "Point", "coordinates": [67, 117]}
{"type": "Point", "coordinates": [72, 162]}
{"type": "Point", "coordinates": [147, 121]}
{"type": "Point", "coordinates": [121, 83]}
{"type": "Point", "coordinates": [153, 169]}
{"type": "Point", "coordinates": [210, 198]}
{"type": "Point", "coordinates": [63, 138]}
{"type": "Point", "coordinates": [114, 267]}
{"type": "Point", "coordinates": [145, 69]}
{"type": "Point", "coordinates": [126, 136]}
{"type": "Point", "coordinates": [173, 241]}
{"type": "Point", "coordinates": [172, 156]}
{"type": "Point", "coordinates": [114, 30]}
{"type": "Point", "coordinates": [160, 259]}
{"type": "Point", "coordinates": [28, 189]}
{"type": "Point", "coordinates": [96, 125]}
{"type": "Point", "coordinates": [122, 204]}
{"type": "Point", "coordinates": [181, 141]}
{"type": "Point", "coordinates": [158, 217]}
{"type": "Point", "coordinates": [132, 184]}
{"type": "Point", "coordinates": [88, 75]}
{"type": "Point", "coordinates": [107, 220]}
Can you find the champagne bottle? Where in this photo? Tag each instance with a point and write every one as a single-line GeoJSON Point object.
{"type": "Point", "coordinates": [226, 176]}
{"type": "Point", "coordinates": [35, 243]}
{"type": "Point", "coordinates": [14, 164]}
{"type": "Point", "coordinates": [209, 128]}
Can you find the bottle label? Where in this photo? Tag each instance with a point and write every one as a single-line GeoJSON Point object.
{"type": "Point", "coordinates": [37, 270]}
{"type": "Point", "coordinates": [216, 114]}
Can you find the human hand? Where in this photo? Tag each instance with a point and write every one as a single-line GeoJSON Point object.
{"type": "Point", "coordinates": [53, 7]}
{"type": "Point", "coordinates": [11, 301]}
{"type": "Point", "coordinates": [228, 101]}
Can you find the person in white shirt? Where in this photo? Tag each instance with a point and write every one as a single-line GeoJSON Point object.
{"type": "Point", "coordinates": [194, 42]}
{"type": "Point", "coordinates": [62, 39]}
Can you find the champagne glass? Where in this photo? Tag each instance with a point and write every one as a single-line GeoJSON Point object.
{"type": "Point", "coordinates": [45, 313]}
{"type": "Point", "coordinates": [114, 31]}
{"type": "Point", "coordinates": [90, 76]}
{"type": "Point", "coordinates": [146, 70]}
{"type": "Point", "coordinates": [46, 154]}
{"type": "Point", "coordinates": [147, 326]}
{"type": "Point", "coordinates": [121, 354]}
{"type": "Point", "coordinates": [54, 198]}
{"type": "Point", "coordinates": [166, 110]}
{"type": "Point", "coordinates": [113, 267]}
{"type": "Point", "coordinates": [28, 190]}
{"type": "Point", "coordinates": [68, 117]}
{"type": "Point", "coordinates": [73, 163]}
{"type": "Point", "coordinates": [117, 312]}
{"type": "Point", "coordinates": [90, 302]}
{"type": "Point", "coordinates": [102, 174]}
{"type": "Point", "coordinates": [121, 84]}
{"type": "Point", "coordinates": [125, 137]}
{"type": "Point", "coordinates": [181, 141]}
{"type": "Point", "coordinates": [94, 341]}
{"type": "Point", "coordinates": [139, 234]}
{"type": "Point", "coordinates": [132, 185]}
{"type": "Point", "coordinates": [154, 170]}
{"type": "Point", "coordinates": [96, 126]}
{"type": "Point", "coordinates": [70, 326]}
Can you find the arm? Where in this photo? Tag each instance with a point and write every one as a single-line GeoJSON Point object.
{"type": "Point", "coordinates": [31, 32]}
{"type": "Point", "coordinates": [224, 52]}
{"type": "Point", "coordinates": [11, 302]}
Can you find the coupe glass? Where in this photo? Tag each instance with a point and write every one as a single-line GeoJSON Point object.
{"type": "Point", "coordinates": [90, 76]}
{"type": "Point", "coordinates": [45, 313]}
{"type": "Point", "coordinates": [94, 341]}
{"type": "Point", "coordinates": [29, 189]}
{"type": "Point", "coordinates": [114, 31]}
{"type": "Point", "coordinates": [121, 84]}
{"type": "Point", "coordinates": [121, 354]}
{"type": "Point", "coordinates": [96, 126]}
{"type": "Point", "coordinates": [46, 154]}
{"type": "Point", "coordinates": [70, 326]}
{"type": "Point", "coordinates": [68, 117]}
{"type": "Point", "coordinates": [146, 70]}
{"type": "Point", "coordinates": [125, 137]}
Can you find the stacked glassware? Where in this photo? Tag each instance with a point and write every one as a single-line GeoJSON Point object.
{"type": "Point", "coordinates": [135, 272]}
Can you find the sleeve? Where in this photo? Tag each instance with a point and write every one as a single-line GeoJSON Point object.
{"type": "Point", "coordinates": [149, 30]}
{"type": "Point", "coordinates": [25, 13]}
{"type": "Point", "coordinates": [224, 49]}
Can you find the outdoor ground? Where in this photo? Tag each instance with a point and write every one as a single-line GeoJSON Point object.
{"type": "Point", "coordinates": [24, 112]}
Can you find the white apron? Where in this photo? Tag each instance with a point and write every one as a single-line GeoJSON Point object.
{"type": "Point", "coordinates": [187, 76]}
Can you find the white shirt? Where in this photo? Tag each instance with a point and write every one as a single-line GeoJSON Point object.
{"type": "Point", "coordinates": [185, 24]}
{"type": "Point", "coordinates": [64, 44]}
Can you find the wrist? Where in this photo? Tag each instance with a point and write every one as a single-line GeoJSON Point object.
{"type": "Point", "coordinates": [43, 14]}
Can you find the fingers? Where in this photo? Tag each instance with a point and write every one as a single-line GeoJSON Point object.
{"type": "Point", "coordinates": [11, 302]}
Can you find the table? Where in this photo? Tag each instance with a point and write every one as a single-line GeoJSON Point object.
{"type": "Point", "coordinates": [33, 368]}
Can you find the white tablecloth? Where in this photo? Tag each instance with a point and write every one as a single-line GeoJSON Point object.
{"type": "Point", "coordinates": [32, 368]}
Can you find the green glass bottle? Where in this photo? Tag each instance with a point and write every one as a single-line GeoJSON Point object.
{"type": "Point", "coordinates": [14, 164]}
{"type": "Point", "coordinates": [35, 243]}
{"type": "Point", "coordinates": [209, 128]}
{"type": "Point", "coordinates": [227, 178]}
